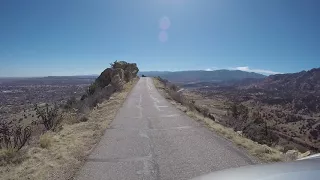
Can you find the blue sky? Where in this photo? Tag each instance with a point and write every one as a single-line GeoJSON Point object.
{"type": "Point", "coordinates": [76, 37]}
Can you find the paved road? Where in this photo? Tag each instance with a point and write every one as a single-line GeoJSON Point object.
{"type": "Point", "coordinates": [150, 139]}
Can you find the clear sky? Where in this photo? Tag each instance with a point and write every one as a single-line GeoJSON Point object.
{"type": "Point", "coordinates": [79, 37]}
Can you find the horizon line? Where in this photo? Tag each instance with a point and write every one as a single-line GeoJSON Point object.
{"type": "Point", "coordinates": [228, 69]}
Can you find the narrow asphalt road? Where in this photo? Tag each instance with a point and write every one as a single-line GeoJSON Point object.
{"type": "Point", "coordinates": [150, 139]}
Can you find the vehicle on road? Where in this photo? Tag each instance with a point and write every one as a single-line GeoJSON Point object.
{"type": "Point", "coordinates": [303, 169]}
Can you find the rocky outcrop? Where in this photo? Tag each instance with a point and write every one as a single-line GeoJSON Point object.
{"type": "Point", "coordinates": [119, 73]}
{"type": "Point", "coordinates": [117, 79]}
{"type": "Point", "coordinates": [116, 76]}
{"type": "Point", "coordinates": [292, 155]}
{"type": "Point", "coordinates": [105, 77]}
{"type": "Point", "coordinates": [130, 69]}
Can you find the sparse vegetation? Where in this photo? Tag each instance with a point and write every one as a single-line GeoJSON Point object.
{"type": "Point", "coordinates": [94, 99]}
{"type": "Point", "coordinates": [277, 110]}
{"type": "Point", "coordinates": [49, 116]}
{"type": "Point", "coordinates": [6, 156]}
{"type": "Point", "coordinates": [286, 103]}
{"type": "Point", "coordinates": [172, 91]}
{"type": "Point", "coordinates": [263, 152]}
{"type": "Point", "coordinates": [71, 102]}
{"type": "Point", "coordinates": [92, 89]}
{"type": "Point", "coordinates": [239, 111]}
{"type": "Point", "coordinates": [13, 137]}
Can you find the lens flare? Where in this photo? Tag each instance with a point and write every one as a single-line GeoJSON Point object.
{"type": "Point", "coordinates": [163, 36]}
{"type": "Point", "coordinates": [164, 23]}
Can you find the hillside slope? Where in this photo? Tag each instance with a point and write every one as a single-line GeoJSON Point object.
{"type": "Point", "coordinates": [280, 109]}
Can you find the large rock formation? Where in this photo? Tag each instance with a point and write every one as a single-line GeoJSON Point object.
{"type": "Point", "coordinates": [105, 78]}
{"type": "Point", "coordinates": [119, 73]}
{"type": "Point", "coordinates": [110, 80]}
{"type": "Point", "coordinates": [130, 69]}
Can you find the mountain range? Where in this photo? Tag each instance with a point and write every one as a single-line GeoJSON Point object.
{"type": "Point", "coordinates": [203, 76]}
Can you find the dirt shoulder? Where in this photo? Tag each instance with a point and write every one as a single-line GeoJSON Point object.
{"type": "Point", "coordinates": [261, 151]}
{"type": "Point", "coordinates": [59, 155]}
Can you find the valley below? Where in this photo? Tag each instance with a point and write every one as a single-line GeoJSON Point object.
{"type": "Point", "coordinates": [281, 110]}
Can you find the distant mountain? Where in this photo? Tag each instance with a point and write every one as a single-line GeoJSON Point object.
{"type": "Point", "coordinates": [306, 81]}
{"type": "Point", "coordinates": [301, 90]}
{"type": "Point", "coordinates": [153, 73]}
{"type": "Point", "coordinates": [205, 76]}
{"type": "Point", "coordinates": [75, 76]}
{"type": "Point", "coordinates": [243, 83]}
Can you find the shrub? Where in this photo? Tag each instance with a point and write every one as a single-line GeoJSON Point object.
{"type": "Point", "coordinates": [97, 97]}
{"type": "Point", "coordinates": [70, 103]}
{"type": "Point", "coordinates": [92, 88]}
{"type": "Point", "coordinates": [314, 133]}
{"type": "Point", "coordinates": [7, 155]}
{"type": "Point", "coordinates": [45, 140]}
{"type": "Point", "coordinates": [83, 97]}
{"type": "Point", "coordinates": [205, 112]}
{"type": "Point", "coordinates": [164, 81]}
{"type": "Point", "coordinates": [13, 136]}
{"type": "Point", "coordinates": [239, 111]}
{"type": "Point", "coordinates": [49, 117]}
{"type": "Point", "coordinates": [176, 96]}
{"type": "Point", "coordinates": [69, 118]}
{"type": "Point", "coordinates": [127, 76]}
{"type": "Point", "coordinates": [234, 111]}
{"type": "Point", "coordinates": [83, 119]}
{"type": "Point", "coordinates": [173, 87]}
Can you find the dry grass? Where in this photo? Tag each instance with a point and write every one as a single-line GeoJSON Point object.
{"type": "Point", "coordinates": [7, 156]}
{"type": "Point", "coordinates": [64, 151]}
{"type": "Point", "coordinates": [263, 152]}
{"type": "Point", "coordinates": [45, 140]}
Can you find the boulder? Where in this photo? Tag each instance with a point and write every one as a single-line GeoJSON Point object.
{"type": "Point", "coordinates": [240, 133]}
{"type": "Point", "coordinates": [302, 155]}
{"type": "Point", "coordinates": [291, 155]}
{"type": "Point", "coordinates": [117, 78]}
{"type": "Point", "coordinates": [109, 90]}
{"type": "Point", "coordinates": [105, 78]}
{"type": "Point", "coordinates": [266, 149]}
{"type": "Point", "coordinates": [119, 72]}
{"type": "Point", "coordinates": [211, 116]}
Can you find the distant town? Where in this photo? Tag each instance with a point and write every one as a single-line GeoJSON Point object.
{"type": "Point", "coordinates": [17, 94]}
